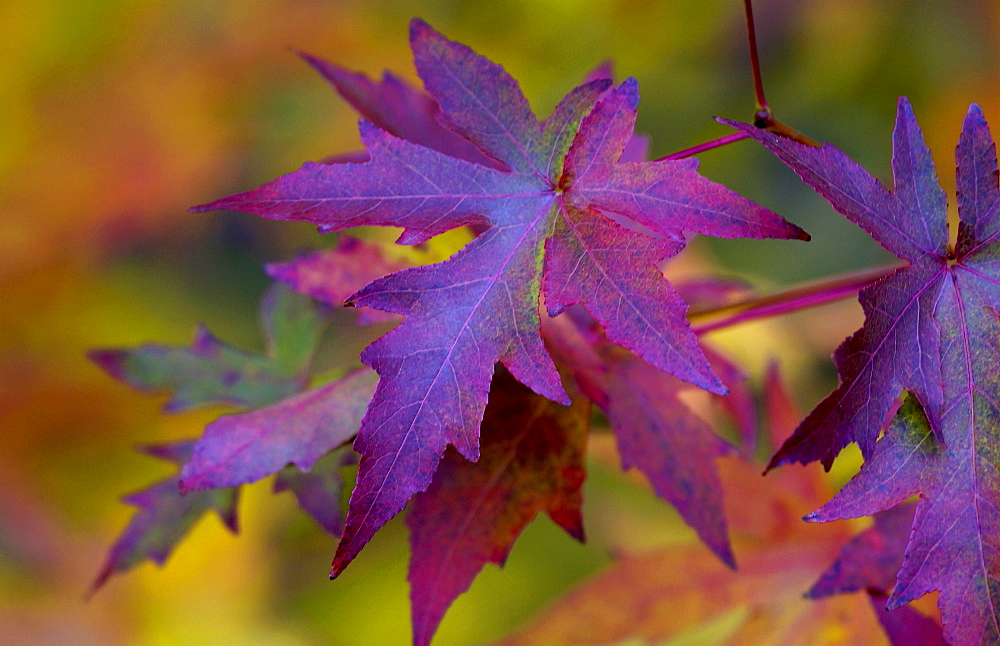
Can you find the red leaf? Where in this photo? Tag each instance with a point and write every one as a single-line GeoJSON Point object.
{"type": "Point", "coordinates": [531, 459]}
{"type": "Point", "coordinates": [656, 432]}
{"type": "Point", "coordinates": [333, 275]}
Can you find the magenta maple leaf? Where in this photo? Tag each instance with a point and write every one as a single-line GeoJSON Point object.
{"type": "Point", "coordinates": [656, 432]}
{"type": "Point", "coordinates": [952, 541]}
{"type": "Point", "coordinates": [531, 459]}
{"type": "Point", "coordinates": [245, 447]}
{"type": "Point", "coordinates": [164, 516]}
{"type": "Point", "coordinates": [904, 626]}
{"type": "Point", "coordinates": [898, 348]}
{"type": "Point", "coordinates": [397, 107]}
{"type": "Point", "coordinates": [553, 217]}
{"type": "Point", "coordinates": [331, 276]}
{"type": "Point", "coordinates": [931, 328]}
{"type": "Point", "coordinates": [409, 113]}
{"type": "Point", "coordinates": [871, 559]}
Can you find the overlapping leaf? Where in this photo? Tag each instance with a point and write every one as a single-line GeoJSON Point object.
{"type": "Point", "coordinates": [531, 459]}
{"type": "Point", "coordinates": [213, 372]}
{"type": "Point", "coordinates": [164, 516]}
{"type": "Point", "coordinates": [318, 490]}
{"type": "Point", "coordinates": [333, 275]}
{"type": "Point", "coordinates": [871, 559]}
{"type": "Point", "coordinates": [682, 592]}
{"type": "Point", "coordinates": [473, 511]}
{"type": "Point", "coordinates": [553, 219]}
{"type": "Point", "coordinates": [655, 431]}
{"type": "Point", "coordinates": [952, 547]}
{"type": "Point", "coordinates": [242, 448]}
{"type": "Point", "coordinates": [931, 328]}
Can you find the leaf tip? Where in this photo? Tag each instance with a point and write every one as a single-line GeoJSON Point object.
{"type": "Point", "coordinates": [419, 30]}
{"type": "Point", "coordinates": [314, 61]}
{"type": "Point", "coordinates": [109, 360]}
{"type": "Point", "coordinates": [186, 485]}
{"type": "Point", "coordinates": [205, 208]}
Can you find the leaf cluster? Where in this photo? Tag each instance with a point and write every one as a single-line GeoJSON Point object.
{"type": "Point", "coordinates": [474, 411]}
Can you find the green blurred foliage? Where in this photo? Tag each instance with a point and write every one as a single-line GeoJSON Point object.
{"type": "Point", "coordinates": [119, 114]}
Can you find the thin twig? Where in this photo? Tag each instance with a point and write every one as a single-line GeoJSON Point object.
{"type": "Point", "coordinates": [789, 300]}
{"type": "Point", "coordinates": [708, 145]}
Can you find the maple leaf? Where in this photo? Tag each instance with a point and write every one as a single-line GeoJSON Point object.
{"type": "Point", "coordinates": [397, 107]}
{"type": "Point", "coordinates": [318, 490]}
{"type": "Point", "coordinates": [164, 516]}
{"type": "Point", "coordinates": [681, 591]}
{"type": "Point", "coordinates": [951, 544]}
{"type": "Point", "coordinates": [331, 276]}
{"type": "Point", "coordinates": [656, 432]}
{"type": "Point", "coordinates": [245, 447]}
{"type": "Point", "coordinates": [870, 560]}
{"type": "Point", "coordinates": [409, 113]}
{"type": "Point", "coordinates": [552, 219]}
{"type": "Point", "coordinates": [931, 329]}
{"type": "Point", "coordinates": [211, 371]}
{"type": "Point", "coordinates": [531, 459]}
{"type": "Point", "coordinates": [452, 538]}
{"type": "Point", "coordinates": [898, 348]}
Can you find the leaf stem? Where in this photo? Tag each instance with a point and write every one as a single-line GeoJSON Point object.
{"type": "Point", "coordinates": [763, 117]}
{"type": "Point", "coordinates": [763, 110]}
{"type": "Point", "coordinates": [708, 145]}
{"type": "Point", "coordinates": [796, 298]}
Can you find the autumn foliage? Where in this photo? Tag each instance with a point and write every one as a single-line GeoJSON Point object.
{"type": "Point", "coordinates": [553, 327]}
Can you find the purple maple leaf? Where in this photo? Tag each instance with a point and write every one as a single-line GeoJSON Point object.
{"type": "Point", "coordinates": [951, 546]}
{"type": "Point", "coordinates": [655, 430]}
{"type": "Point", "coordinates": [318, 490]}
{"type": "Point", "coordinates": [397, 107]}
{"type": "Point", "coordinates": [242, 448]}
{"type": "Point", "coordinates": [904, 626]}
{"type": "Point", "coordinates": [531, 459]}
{"type": "Point", "coordinates": [871, 559]}
{"type": "Point", "coordinates": [898, 348]}
{"type": "Point", "coordinates": [331, 276]}
{"type": "Point", "coordinates": [164, 516]}
{"type": "Point", "coordinates": [555, 215]}
{"type": "Point", "coordinates": [931, 328]}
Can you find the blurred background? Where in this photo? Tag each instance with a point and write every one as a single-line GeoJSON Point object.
{"type": "Point", "coordinates": [117, 115]}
